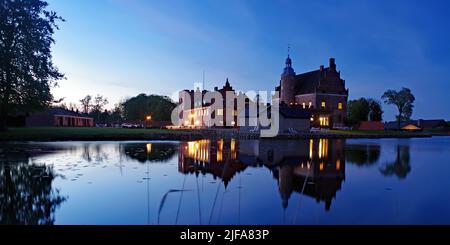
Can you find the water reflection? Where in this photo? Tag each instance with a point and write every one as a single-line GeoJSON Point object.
{"type": "Point", "coordinates": [400, 167]}
{"type": "Point", "coordinates": [218, 158]}
{"type": "Point", "coordinates": [26, 193]}
{"type": "Point", "coordinates": [363, 154]}
{"type": "Point", "coordinates": [314, 168]}
{"type": "Point", "coordinates": [286, 174]}
{"type": "Point", "coordinates": [149, 152]}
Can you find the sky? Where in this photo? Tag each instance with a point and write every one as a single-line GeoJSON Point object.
{"type": "Point", "coordinates": [120, 48]}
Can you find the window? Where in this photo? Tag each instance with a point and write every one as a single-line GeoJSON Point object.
{"type": "Point", "coordinates": [304, 105]}
{"type": "Point", "coordinates": [220, 112]}
{"type": "Point", "coordinates": [324, 121]}
{"type": "Point", "coordinates": [310, 105]}
{"type": "Point", "coordinates": [340, 106]}
{"type": "Point", "coordinates": [324, 104]}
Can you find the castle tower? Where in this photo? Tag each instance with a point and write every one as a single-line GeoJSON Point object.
{"type": "Point", "coordinates": [287, 90]}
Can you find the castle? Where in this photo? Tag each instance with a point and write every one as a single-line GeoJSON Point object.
{"type": "Point", "coordinates": [322, 92]}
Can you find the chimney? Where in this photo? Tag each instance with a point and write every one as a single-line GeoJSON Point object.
{"type": "Point", "coordinates": [321, 68]}
{"type": "Point", "coordinates": [332, 64]}
{"type": "Point", "coordinates": [216, 88]}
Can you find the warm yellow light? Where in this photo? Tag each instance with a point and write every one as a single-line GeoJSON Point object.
{"type": "Point", "coordinates": [324, 104]}
{"type": "Point", "coordinates": [148, 118]}
{"type": "Point", "coordinates": [304, 105]}
{"type": "Point", "coordinates": [197, 122]}
{"type": "Point", "coordinates": [322, 166]}
{"type": "Point", "coordinates": [149, 148]}
{"type": "Point", "coordinates": [338, 164]}
{"type": "Point", "coordinates": [340, 106]}
{"type": "Point", "coordinates": [312, 119]}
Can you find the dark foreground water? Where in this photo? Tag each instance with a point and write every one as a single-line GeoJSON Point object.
{"type": "Point", "coordinates": [389, 181]}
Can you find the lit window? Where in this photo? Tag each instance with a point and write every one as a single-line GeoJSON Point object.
{"type": "Point", "coordinates": [304, 105]}
{"type": "Point", "coordinates": [324, 104]}
{"type": "Point", "coordinates": [340, 106]}
{"type": "Point", "coordinates": [220, 112]}
{"type": "Point", "coordinates": [324, 121]}
{"type": "Point", "coordinates": [310, 105]}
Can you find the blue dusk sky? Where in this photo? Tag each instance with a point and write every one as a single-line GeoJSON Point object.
{"type": "Point", "coordinates": [120, 48]}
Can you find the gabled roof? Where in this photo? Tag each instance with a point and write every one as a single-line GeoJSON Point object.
{"type": "Point", "coordinates": [371, 126]}
{"type": "Point", "coordinates": [64, 112]}
{"type": "Point", "coordinates": [308, 82]}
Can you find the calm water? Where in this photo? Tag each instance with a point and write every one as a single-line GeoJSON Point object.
{"type": "Point", "coordinates": [389, 181]}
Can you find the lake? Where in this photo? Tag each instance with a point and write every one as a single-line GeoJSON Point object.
{"type": "Point", "coordinates": [327, 181]}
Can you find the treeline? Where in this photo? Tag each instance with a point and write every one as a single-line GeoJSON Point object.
{"type": "Point", "coordinates": [137, 108]}
{"type": "Point", "coordinates": [368, 109]}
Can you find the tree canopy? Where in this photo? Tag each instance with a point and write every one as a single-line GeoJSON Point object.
{"type": "Point", "coordinates": [364, 110]}
{"type": "Point", "coordinates": [26, 68]}
{"type": "Point", "coordinates": [139, 107]}
{"type": "Point", "coordinates": [403, 100]}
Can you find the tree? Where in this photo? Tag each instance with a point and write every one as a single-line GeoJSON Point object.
{"type": "Point", "coordinates": [86, 103]}
{"type": "Point", "coordinates": [26, 69]}
{"type": "Point", "coordinates": [364, 109]}
{"type": "Point", "coordinates": [99, 103]}
{"type": "Point", "coordinates": [403, 100]}
{"type": "Point", "coordinates": [159, 107]}
{"type": "Point", "coordinates": [376, 111]}
{"type": "Point", "coordinates": [358, 110]}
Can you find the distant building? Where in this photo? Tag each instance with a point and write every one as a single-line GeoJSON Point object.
{"type": "Point", "coordinates": [58, 117]}
{"type": "Point", "coordinates": [421, 124]}
{"type": "Point", "coordinates": [199, 112]}
{"type": "Point", "coordinates": [322, 92]}
{"type": "Point", "coordinates": [371, 126]}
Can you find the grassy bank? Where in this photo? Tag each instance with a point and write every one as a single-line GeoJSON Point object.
{"type": "Point", "coordinates": [115, 134]}
{"type": "Point", "coordinates": [59, 134]}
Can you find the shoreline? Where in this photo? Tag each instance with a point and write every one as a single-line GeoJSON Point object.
{"type": "Point", "coordinates": [110, 134]}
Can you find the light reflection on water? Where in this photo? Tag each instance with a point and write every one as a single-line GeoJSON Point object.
{"type": "Point", "coordinates": [392, 181]}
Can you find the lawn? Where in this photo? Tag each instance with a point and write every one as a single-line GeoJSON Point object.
{"type": "Point", "coordinates": [59, 133]}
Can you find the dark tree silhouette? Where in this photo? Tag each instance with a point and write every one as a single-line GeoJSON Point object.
{"type": "Point", "coordinates": [362, 155]}
{"type": "Point", "coordinates": [403, 100]}
{"type": "Point", "coordinates": [26, 194]}
{"type": "Point", "coordinates": [400, 167]}
{"type": "Point", "coordinates": [159, 107]}
{"type": "Point", "coordinates": [158, 152]}
{"type": "Point", "coordinates": [26, 68]}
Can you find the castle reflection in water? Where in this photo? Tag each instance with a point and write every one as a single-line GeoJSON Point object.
{"type": "Point", "coordinates": [315, 168]}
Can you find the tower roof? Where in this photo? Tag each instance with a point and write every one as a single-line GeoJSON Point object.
{"type": "Point", "coordinates": [288, 70]}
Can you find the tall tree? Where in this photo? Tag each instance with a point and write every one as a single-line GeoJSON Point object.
{"type": "Point", "coordinates": [159, 107]}
{"type": "Point", "coordinates": [376, 110]}
{"type": "Point", "coordinates": [26, 68]}
{"type": "Point", "coordinates": [97, 108]}
{"type": "Point", "coordinates": [403, 100]}
{"type": "Point", "coordinates": [86, 103]}
{"type": "Point", "coordinates": [358, 110]}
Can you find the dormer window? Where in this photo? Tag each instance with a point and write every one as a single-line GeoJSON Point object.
{"type": "Point", "coordinates": [324, 104]}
